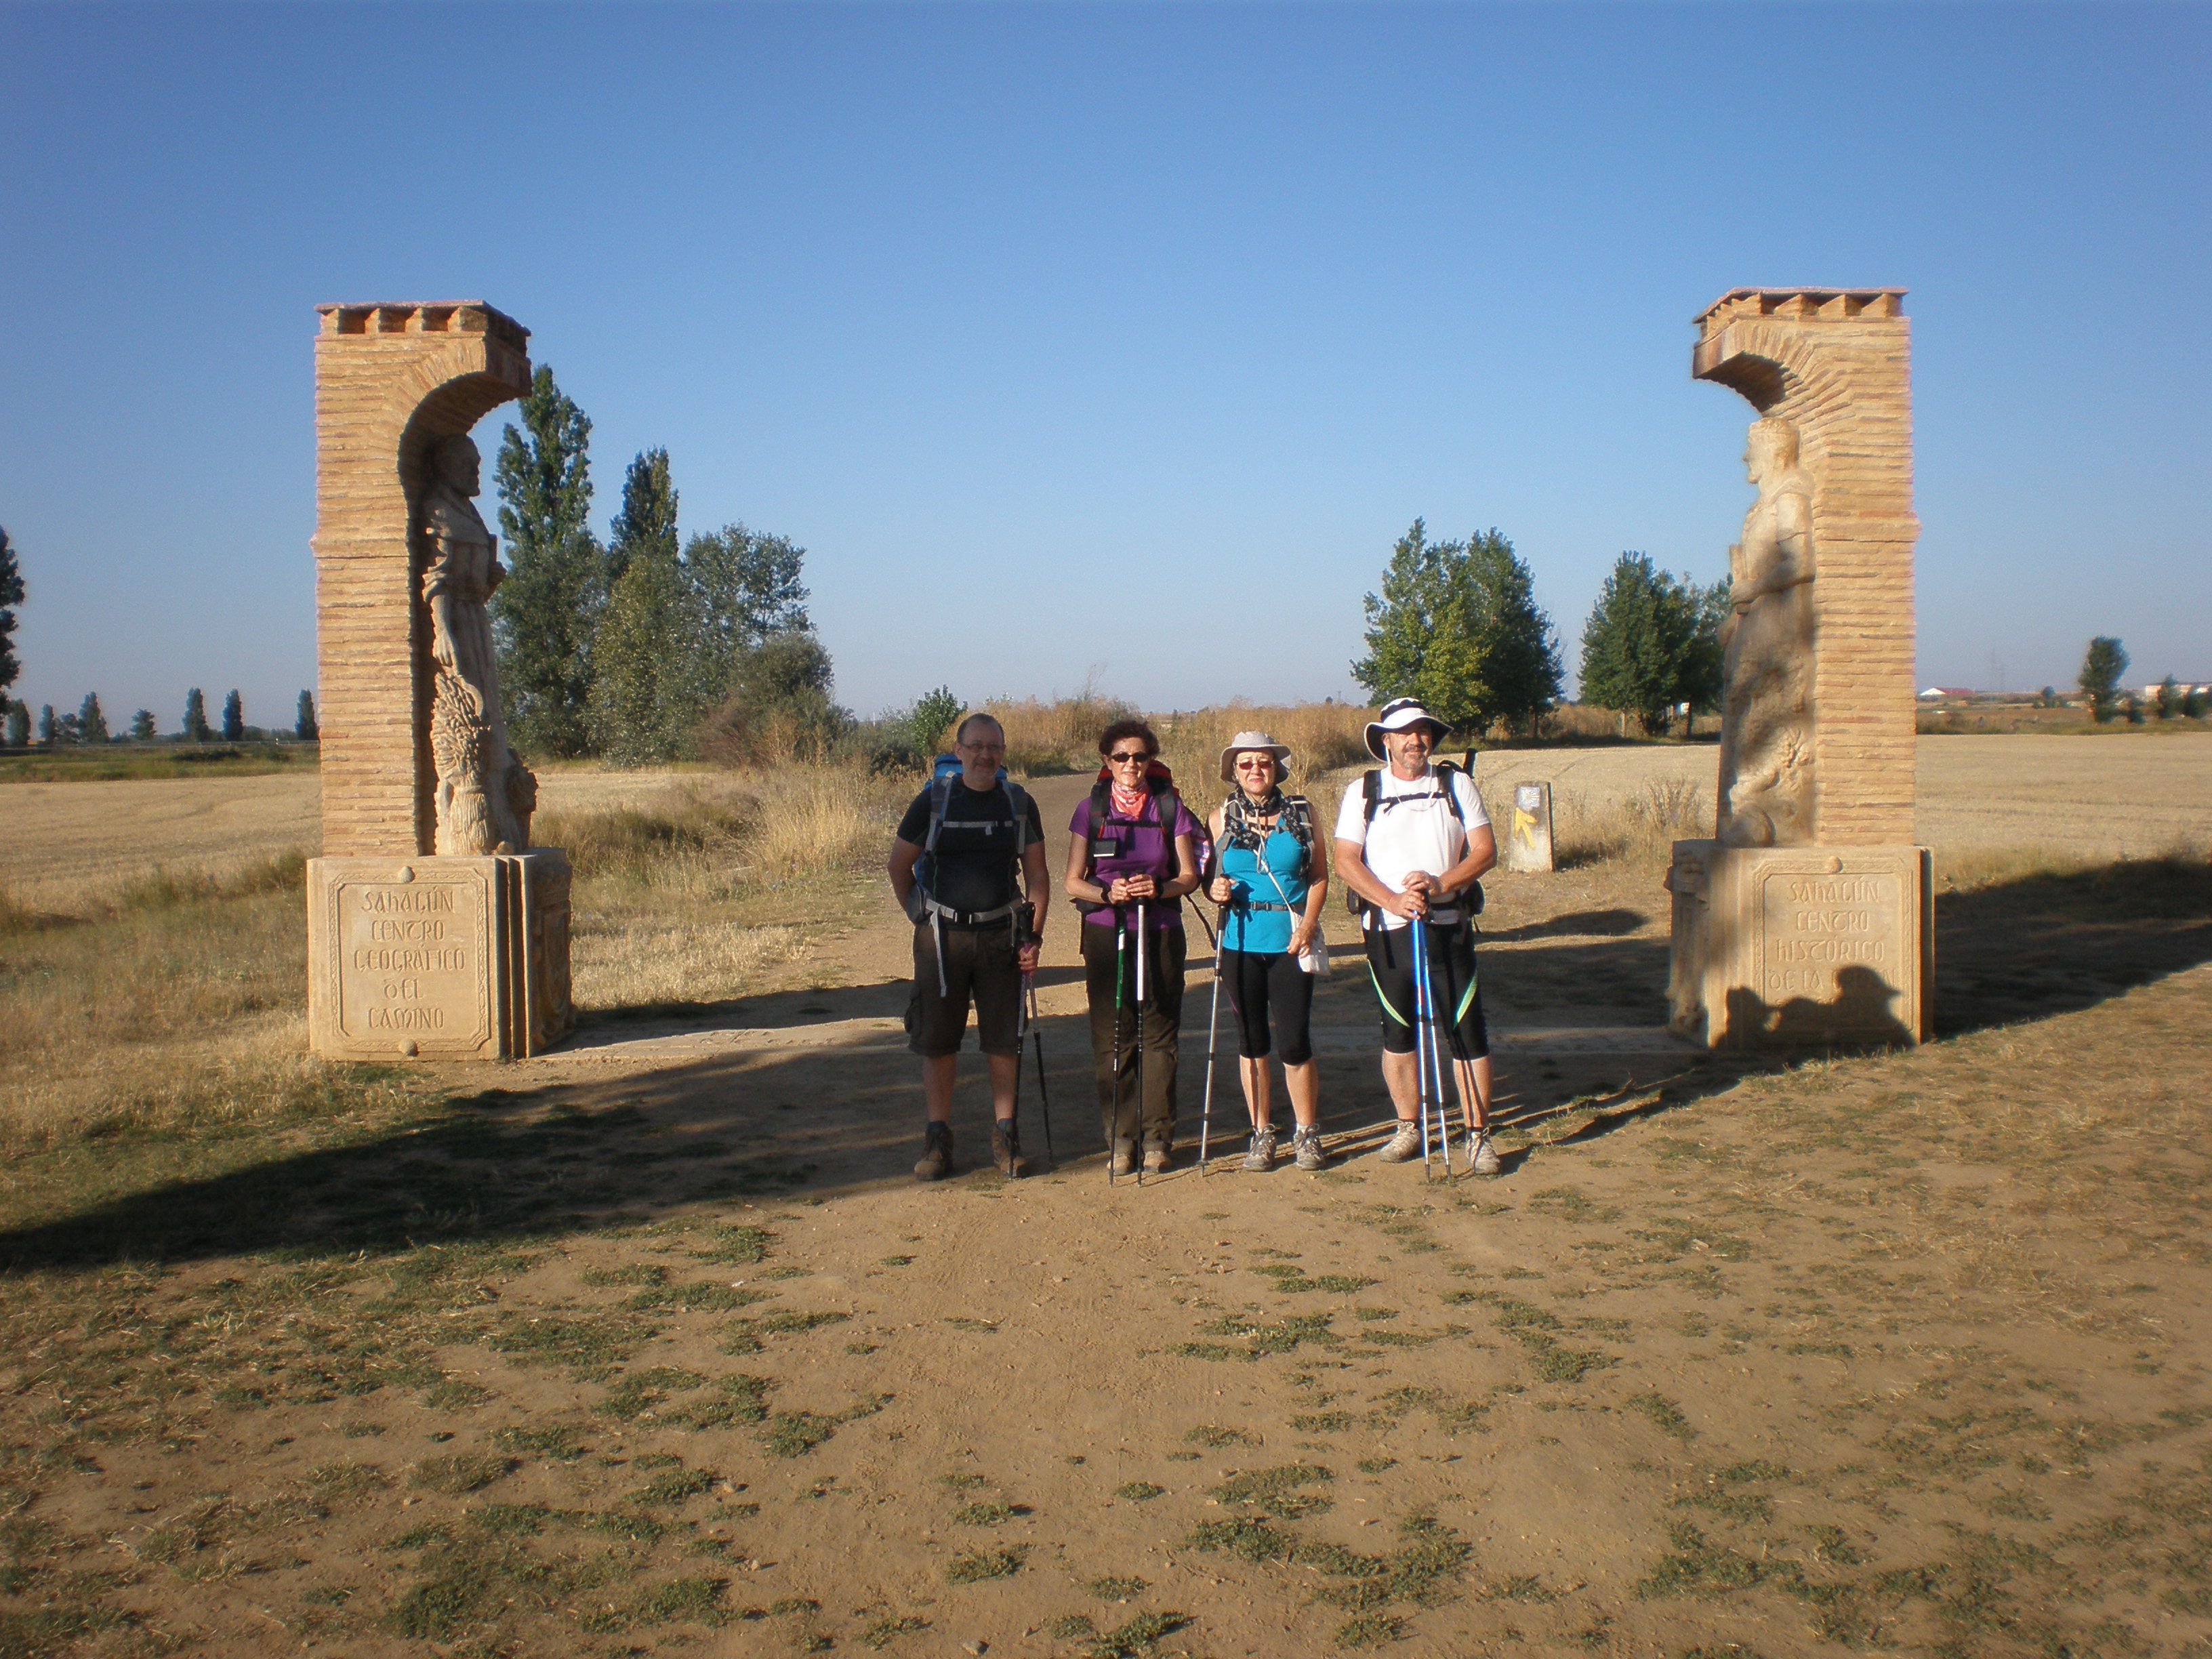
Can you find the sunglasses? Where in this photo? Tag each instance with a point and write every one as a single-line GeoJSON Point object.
{"type": "Point", "coordinates": [1264, 764]}
{"type": "Point", "coordinates": [1132, 757]}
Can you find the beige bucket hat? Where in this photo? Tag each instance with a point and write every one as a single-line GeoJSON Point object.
{"type": "Point", "coordinates": [1248, 740]}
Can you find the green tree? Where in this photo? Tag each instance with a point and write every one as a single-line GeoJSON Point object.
{"type": "Point", "coordinates": [1652, 642]}
{"type": "Point", "coordinates": [196, 720]}
{"type": "Point", "coordinates": [141, 726]}
{"type": "Point", "coordinates": [49, 729]}
{"type": "Point", "coordinates": [645, 527]}
{"type": "Point", "coordinates": [1456, 625]}
{"type": "Point", "coordinates": [2192, 705]}
{"type": "Point", "coordinates": [91, 721]}
{"type": "Point", "coordinates": [647, 698]}
{"type": "Point", "coordinates": [303, 723]}
{"type": "Point", "coordinates": [2102, 665]}
{"type": "Point", "coordinates": [11, 595]}
{"type": "Point", "coordinates": [545, 613]}
{"type": "Point", "coordinates": [18, 724]}
{"type": "Point", "coordinates": [929, 722]}
{"type": "Point", "coordinates": [779, 705]}
{"type": "Point", "coordinates": [746, 587]}
{"type": "Point", "coordinates": [2167, 699]}
{"type": "Point", "coordinates": [233, 718]}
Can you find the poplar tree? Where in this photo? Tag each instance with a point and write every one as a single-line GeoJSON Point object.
{"type": "Point", "coordinates": [141, 726]}
{"type": "Point", "coordinates": [2101, 667]}
{"type": "Point", "coordinates": [91, 721]}
{"type": "Point", "coordinates": [1652, 642]}
{"type": "Point", "coordinates": [11, 595]}
{"type": "Point", "coordinates": [546, 612]}
{"type": "Point", "coordinates": [233, 718]}
{"type": "Point", "coordinates": [644, 700]}
{"type": "Point", "coordinates": [304, 726]}
{"type": "Point", "coordinates": [196, 720]}
{"type": "Point", "coordinates": [18, 724]}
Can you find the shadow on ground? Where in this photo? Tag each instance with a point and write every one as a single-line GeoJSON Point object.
{"type": "Point", "coordinates": [581, 1154]}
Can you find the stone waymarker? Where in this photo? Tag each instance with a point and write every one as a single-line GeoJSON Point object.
{"type": "Point", "coordinates": [433, 928]}
{"type": "Point", "coordinates": [1806, 920]}
{"type": "Point", "coordinates": [1524, 832]}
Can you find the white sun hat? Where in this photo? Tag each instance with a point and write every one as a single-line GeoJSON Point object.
{"type": "Point", "coordinates": [1401, 715]}
{"type": "Point", "coordinates": [1244, 741]}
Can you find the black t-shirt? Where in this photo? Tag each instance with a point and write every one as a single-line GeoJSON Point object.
{"type": "Point", "coordinates": [976, 864]}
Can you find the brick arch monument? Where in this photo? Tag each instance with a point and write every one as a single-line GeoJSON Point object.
{"type": "Point", "coordinates": [413, 952]}
{"type": "Point", "coordinates": [1806, 920]}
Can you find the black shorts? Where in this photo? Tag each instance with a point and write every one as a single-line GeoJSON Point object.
{"type": "Point", "coordinates": [980, 965]}
{"type": "Point", "coordinates": [1457, 1005]}
{"type": "Point", "coordinates": [1260, 982]}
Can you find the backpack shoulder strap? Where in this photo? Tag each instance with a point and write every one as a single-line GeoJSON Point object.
{"type": "Point", "coordinates": [1099, 791]}
{"type": "Point", "coordinates": [1018, 799]}
{"type": "Point", "coordinates": [1446, 772]}
{"type": "Point", "coordinates": [1371, 791]}
{"type": "Point", "coordinates": [1299, 810]}
{"type": "Point", "coordinates": [940, 796]}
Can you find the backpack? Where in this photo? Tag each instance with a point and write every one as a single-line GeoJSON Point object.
{"type": "Point", "coordinates": [1017, 915]}
{"type": "Point", "coordinates": [1160, 789]}
{"type": "Point", "coordinates": [1238, 829]}
{"type": "Point", "coordinates": [1371, 792]}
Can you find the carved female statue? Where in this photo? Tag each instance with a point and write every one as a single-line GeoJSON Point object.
{"type": "Point", "coordinates": [1766, 781]}
{"type": "Point", "coordinates": [484, 794]}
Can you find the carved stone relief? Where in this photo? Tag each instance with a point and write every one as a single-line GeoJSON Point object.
{"type": "Point", "coordinates": [484, 795]}
{"type": "Point", "coordinates": [1767, 781]}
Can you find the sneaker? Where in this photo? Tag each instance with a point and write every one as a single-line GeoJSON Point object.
{"type": "Point", "coordinates": [1402, 1146]}
{"type": "Point", "coordinates": [1006, 1148]}
{"type": "Point", "coordinates": [1481, 1156]}
{"type": "Point", "coordinates": [936, 1153]}
{"type": "Point", "coordinates": [1262, 1155]}
{"type": "Point", "coordinates": [1157, 1157]}
{"type": "Point", "coordinates": [1305, 1148]}
{"type": "Point", "coordinates": [1124, 1157]}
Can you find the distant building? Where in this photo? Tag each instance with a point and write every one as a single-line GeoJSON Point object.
{"type": "Point", "coordinates": [1937, 691]}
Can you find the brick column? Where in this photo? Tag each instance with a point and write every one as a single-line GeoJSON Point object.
{"type": "Point", "coordinates": [1837, 362]}
{"type": "Point", "coordinates": [389, 380]}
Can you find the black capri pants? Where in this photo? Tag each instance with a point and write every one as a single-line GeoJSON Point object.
{"type": "Point", "coordinates": [1260, 982]}
{"type": "Point", "coordinates": [1452, 983]}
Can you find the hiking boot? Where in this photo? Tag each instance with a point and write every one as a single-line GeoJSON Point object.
{"type": "Point", "coordinates": [1155, 1156]}
{"type": "Point", "coordinates": [1481, 1156]}
{"type": "Point", "coordinates": [1402, 1146]}
{"type": "Point", "coordinates": [1305, 1147]}
{"type": "Point", "coordinates": [1262, 1155]}
{"type": "Point", "coordinates": [936, 1153]}
{"type": "Point", "coordinates": [1124, 1157]}
{"type": "Point", "coordinates": [1006, 1147]}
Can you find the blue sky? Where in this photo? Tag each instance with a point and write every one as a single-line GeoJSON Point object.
{"type": "Point", "coordinates": [1124, 336]}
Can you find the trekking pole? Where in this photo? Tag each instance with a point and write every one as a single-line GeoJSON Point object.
{"type": "Point", "coordinates": [1141, 919]}
{"type": "Point", "coordinates": [1212, 1032]}
{"type": "Point", "coordinates": [1037, 1040]}
{"type": "Point", "coordinates": [1420, 1053]}
{"type": "Point", "coordinates": [1114, 1109]}
{"type": "Point", "coordinates": [1437, 1068]}
{"type": "Point", "coordinates": [1021, 1023]}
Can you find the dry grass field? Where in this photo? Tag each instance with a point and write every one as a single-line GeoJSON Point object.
{"type": "Point", "coordinates": [652, 1345]}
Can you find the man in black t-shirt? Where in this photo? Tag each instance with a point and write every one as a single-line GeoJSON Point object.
{"type": "Point", "coordinates": [974, 932]}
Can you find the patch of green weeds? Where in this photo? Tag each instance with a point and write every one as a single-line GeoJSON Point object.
{"type": "Point", "coordinates": [1256, 1541]}
{"type": "Point", "coordinates": [700, 1295]}
{"type": "Point", "coordinates": [1213, 1434]}
{"type": "Point", "coordinates": [673, 1487]}
{"type": "Point", "coordinates": [1291, 1281]}
{"type": "Point", "coordinates": [636, 1272]}
{"type": "Point", "coordinates": [1139, 1491]}
{"type": "Point", "coordinates": [347, 1480]}
{"type": "Point", "coordinates": [896, 1262]}
{"type": "Point", "coordinates": [1566, 1204]}
{"type": "Point", "coordinates": [736, 1247]}
{"type": "Point", "coordinates": [977, 1567]}
{"type": "Point", "coordinates": [1138, 1638]}
{"type": "Point", "coordinates": [691, 1600]}
{"type": "Point", "coordinates": [1370, 1630]}
{"type": "Point", "coordinates": [1276, 1492]}
{"type": "Point", "coordinates": [454, 1393]}
{"type": "Point", "coordinates": [435, 1607]}
{"type": "Point", "coordinates": [988, 1326]}
{"type": "Point", "coordinates": [1070, 1627]}
{"type": "Point", "coordinates": [794, 1434]}
{"type": "Point", "coordinates": [1322, 1422]}
{"type": "Point", "coordinates": [1260, 1337]}
{"type": "Point", "coordinates": [1521, 1587]}
{"type": "Point", "coordinates": [585, 1342]}
{"type": "Point", "coordinates": [991, 1514]}
{"type": "Point", "coordinates": [1372, 1314]}
{"type": "Point", "coordinates": [744, 1335]}
{"type": "Point", "coordinates": [562, 1443]}
{"type": "Point", "coordinates": [882, 1631]}
{"type": "Point", "coordinates": [636, 1392]}
{"type": "Point", "coordinates": [1376, 1465]}
{"type": "Point", "coordinates": [1117, 1589]}
{"type": "Point", "coordinates": [1532, 1327]}
{"type": "Point", "coordinates": [743, 1400]}
{"type": "Point", "coordinates": [1664, 1414]}
{"type": "Point", "coordinates": [466, 1473]}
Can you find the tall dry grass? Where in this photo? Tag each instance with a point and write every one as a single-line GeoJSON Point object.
{"type": "Point", "coordinates": [1641, 828]}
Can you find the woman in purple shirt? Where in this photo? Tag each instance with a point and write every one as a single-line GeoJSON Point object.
{"type": "Point", "coordinates": [1132, 853]}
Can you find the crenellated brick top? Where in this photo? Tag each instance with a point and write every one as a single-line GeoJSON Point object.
{"type": "Point", "coordinates": [1811, 305]}
{"type": "Point", "coordinates": [425, 317]}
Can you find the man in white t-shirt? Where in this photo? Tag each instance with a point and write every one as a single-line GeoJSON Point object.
{"type": "Point", "coordinates": [1412, 839]}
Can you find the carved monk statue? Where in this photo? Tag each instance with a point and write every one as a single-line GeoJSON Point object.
{"type": "Point", "coordinates": [484, 794]}
{"type": "Point", "coordinates": [1766, 783]}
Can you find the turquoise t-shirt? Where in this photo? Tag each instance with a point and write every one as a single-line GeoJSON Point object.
{"type": "Point", "coordinates": [1273, 874]}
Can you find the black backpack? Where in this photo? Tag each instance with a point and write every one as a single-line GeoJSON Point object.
{"type": "Point", "coordinates": [1159, 790]}
{"type": "Point", "coordinates": [1371, 792]}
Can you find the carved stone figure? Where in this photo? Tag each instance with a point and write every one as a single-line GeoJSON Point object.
{"type": "Point", "coordinates": [1766, 773]}
{"type": "Point", "coordinates": [484, 795]}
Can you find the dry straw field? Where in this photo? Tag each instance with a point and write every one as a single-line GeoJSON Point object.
{"type": "Point", "coordinates": [651, 1345]}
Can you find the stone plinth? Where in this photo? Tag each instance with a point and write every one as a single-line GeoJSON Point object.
{"type": "Point", "coordinates": [1524, 830]}
{"type": "Point", "coordinates": [1795, 947]}
{"type": "Point", "coordinates": [457, 958]}
{"type": "Point", "coordinates": [390, 380]}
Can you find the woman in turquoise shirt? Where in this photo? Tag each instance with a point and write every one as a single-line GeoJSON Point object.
{"type": "Point", "coordinates": [1271, 878]}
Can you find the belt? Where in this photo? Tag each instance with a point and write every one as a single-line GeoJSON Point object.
{"type": "Point", "coordinates": [1261, 904]}
{"type": "Point", "coordinates": [945, 916]}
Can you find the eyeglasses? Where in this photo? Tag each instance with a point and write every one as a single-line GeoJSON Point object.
{"type": "Point", "coordinates": [1133, 758]}
{"type": "Point", "coordinates": [981, 748]}
{"type": "Point", "coordinates": [1258, 763]}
